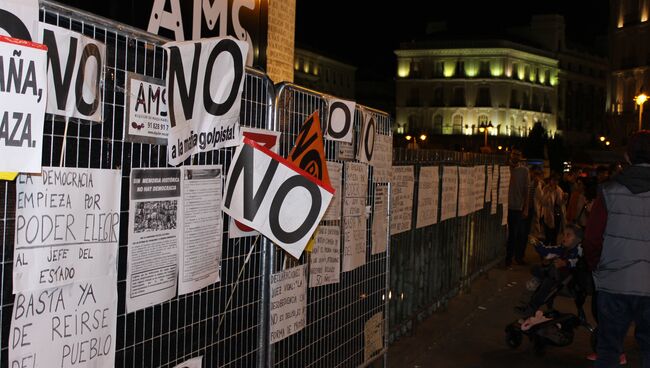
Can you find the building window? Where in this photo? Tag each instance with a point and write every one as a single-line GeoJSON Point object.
{"type": "Point", "coordinates": [414, 124]}
{"type": "Point", "coordinates": [458, 99]}
{"type": "Point", "coordinates": [438, 97]}
{"type": "Point", "coordinates": [483, 98]}
{"type": "Point", "coordinates": [414, 97]}
{"type": "Point", "coordinates": [439, 68]}
{"type": "Point", "coordinates": [460, 68]}
{"type": "Point", "coordinates": [437, 124]}
{"type": "Point", "coordinates": [526, 101]}
{"type": "Point", "coordinates": [484, 70]}
{"type": "Point", "coordinates": [457, 127]}
{"type": "Point", "coordinates": [536, 103]}
{"type": "Point", "coordinates": [482, 119]}
{"type": "Point", "coordinates": [514, 99]}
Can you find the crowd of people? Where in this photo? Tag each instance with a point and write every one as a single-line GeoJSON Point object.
{"type": "Point", "coordinates": [601, 216]}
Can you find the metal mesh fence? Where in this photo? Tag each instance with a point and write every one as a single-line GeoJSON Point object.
{"type": "Point", "coordinates": [431, 264]}
{"type": "Point", "coordinates": [199, 323]}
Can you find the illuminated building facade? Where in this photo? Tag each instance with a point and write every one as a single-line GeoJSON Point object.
{"type": "Point", "coordinates": [323, 74]}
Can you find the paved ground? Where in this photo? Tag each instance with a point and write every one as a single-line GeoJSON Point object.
{"type": "Point", "coordinates": [470, 333]}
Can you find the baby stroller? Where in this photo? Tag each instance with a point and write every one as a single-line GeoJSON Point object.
{"type": "Point", "coordinates": [554, 328]}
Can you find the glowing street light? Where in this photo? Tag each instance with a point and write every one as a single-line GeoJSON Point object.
{"type": "Point", "coordinates": [408, 137]}
{"type": "Point", "coordinates": [640, 99]}
{"type": "Point", "coordinates": [607, 143]}
{"type": "Point", "coordinates": [423, 137]}
{"type": "Point", "coordinates": [602, 138]}
{"type": "Point", "coordinates": [485, 128]}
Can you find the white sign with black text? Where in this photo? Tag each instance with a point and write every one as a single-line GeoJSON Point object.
{"type": "Point", "coordinates": [288, 303]}
{"type": "Point", "coordinates": [428, 191]}
{"type": "Point", "coordinates": [19, 19]}
{"type": "Point", "coordinates": [403, 181]}
{"type": "Point", "coordinates": [449, 192]}
{"type": "Point", "coordinates": [380, 220]}
{"type": "Point", "coordinates": [325, 258]}
{"type": "Point", "coordinates": [146, 106]}
{"type": "Point", "coordinates": [340, 122]}
{"type": "Point", "coordinates": [366, 148]}
{"type": "Point", "coordinates": [354, 215]}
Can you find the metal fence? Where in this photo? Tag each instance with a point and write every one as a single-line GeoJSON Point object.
{"type": "Point", "coordinates": [429, 265]}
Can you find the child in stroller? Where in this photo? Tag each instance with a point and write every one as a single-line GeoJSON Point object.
{"type": "Point", "coordinates": [562, 270]}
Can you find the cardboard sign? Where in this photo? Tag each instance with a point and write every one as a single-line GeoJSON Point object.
{"type": "Point", "coordinates": [428, 191]}
{"type": "Point", "coordinates": [205, 80]}
{"type": "Point", "coordinates": [272, 196]}
{"type": "Point", "coordinates": [75, 68]}
{"type": "Point", "coordinates": [402, 199]}
{"type": "Point", "coordinates": [340, 120]}
{"type": "Point", "coordinates": [23, 95]}
{"type": "Point", "coordinates": [308, 152]}
{"type": "Point", "coordinates": [146, 107]}
{"type": "Point", "coordinates": [19, 19]}
{"type": "Point", "coordinates": [366, 148]}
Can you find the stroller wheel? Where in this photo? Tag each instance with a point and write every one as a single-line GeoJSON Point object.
{"type": "Point", "coordinates": [514, 337]}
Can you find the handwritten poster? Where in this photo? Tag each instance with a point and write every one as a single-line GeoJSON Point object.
{"type": "Point", "coordinates": [449, 192]}
{"type": "Point", "coordinates": [479, 187]}
{"type": "Point", "coordinates": [428, 192]}
{"type": "Point", "coordinates": [504, 185]}
{"type": "Point", "coordinates": [354, 215]}
{"type": "Point", "coordinates": [488, 184]}
{"type": "Point", "coordinates": [67, 227]}
{"type": "Point", "coordinates": [66, 326]}
{"type": "Point", "coordinates": [335, 170]}
{"type": "Point", "coordinates": [495, 190]}
{"type": "Point", "coordinates": [380, 220]}
{"type": "Point", "coordinates": [202, 221]}
{"type": "Point", "coordinates": [373, 335]}
{"type": "Point", "coordinates": [325, 265]}
{"type": "Point", "coordinates": [288, 302]}
{"type": "Point", "coordinates": [403, 181]}
{"type": "Point", "coordinates": [465, 195]}
{"type": "Point", "coordinates": [382, 159]}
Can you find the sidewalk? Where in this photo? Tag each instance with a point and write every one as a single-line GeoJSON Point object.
{"type": "Point", "coordinates": [470, 333]}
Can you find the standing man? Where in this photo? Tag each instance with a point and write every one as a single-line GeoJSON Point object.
{"type": "Point", "coordinates": [617, 248]}
{"type": "Point", "coordinates": [517, 209]}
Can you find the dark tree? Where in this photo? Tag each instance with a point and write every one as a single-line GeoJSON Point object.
{"type": "Point", "coordinates": [534, 144]}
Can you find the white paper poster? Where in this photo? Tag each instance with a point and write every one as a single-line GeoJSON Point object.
{"type": "Point", "coordinates": [403, 182]}
{"type": "Point", "coordinates": [22, 104]}
{"type": "Point", "coordinates": [154, 220]}
{"type": "Point", "coordinates": [19, 19]}
{"type": "Point", "coordinates": [479, 187]}
{"type": "Point", "coordinates": [335, 171]}
{"type": "Point", "coordinates": [345, 151]}
{"type": "Point", "coordinates": [504, 185]}
{"type": "Point", "coordinates": [288, 302]}
{"type": "Point", "coordinates": [428, 192]}
{"type": "Point", "coordinates": [268, 139]}
{"type": "Point", "coordinates": [67, 326]}
{"type": "Point", "coordinates": [147, 119]}
{"type": "Point", "coordinates": [202, 221]}
{"type": "Point", "coordinates": [75, 71]}
{"type": "Point", "coordinates": [465, 193]}
{"type": "Point", "coordinates": [449, 192]}
{"type": "Point", "coordinates": [488, 185]}
{"type": "Point", "coordinates": [340, 121]}
{"type": "Point", "coordinates": [267, 193]}
{"type": "Point", "coordinates": [383, 159]}
{"type": "Point", "coordinates": [373, 335]}
{"type": "Point", "coordinates": [325, 258]}
{"type": "Point", "coordinates": [192, 363]}
{"type": "Point", "coordinates": [367, 141]}
{"type": "Point", "coordinates": [67, 227]}
{"type": "Point", "coordinates": [380, 220]}
{"type": "Point", "coordinates": [495, 190]}
{"type": "Point", "coordinates": [354, 215]}
{"type": "Point", "coordinates": [205, 80]}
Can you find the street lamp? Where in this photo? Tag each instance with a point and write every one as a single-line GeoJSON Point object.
{"type": "Point", "coordinates": [640, 99]}
{"type": "Point", "coordinates": [485, 128]}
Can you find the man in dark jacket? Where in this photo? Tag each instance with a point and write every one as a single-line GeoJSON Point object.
{"type": "Point", "coordinates": [617, 249]}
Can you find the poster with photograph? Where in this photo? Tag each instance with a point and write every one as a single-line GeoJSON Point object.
{"type": "Point", "coordinates": [152, 265]}
{"type": "Point", "coordinates": [403, 182]}
{"type": "Point", "coordinates": [428, 192]}
{"type": "Point", "coordinates": [147, 119]}
{"type": "Point", "coordinates": [67, 227]}
{"type": "Point", "coordinates": [449, 192]}
{"type": "Point", "coordinates": [202, 221]}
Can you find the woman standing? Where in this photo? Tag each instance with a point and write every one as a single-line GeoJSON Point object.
{"type": "Point", "coordinates": [552, 211]}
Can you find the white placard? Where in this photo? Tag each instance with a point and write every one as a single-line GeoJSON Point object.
{"type": "Point", "coordinates": [205, 80]}
{"type": "Point", "coordinates": [67, 326]}
{"type": "Point", "coordinates": [354, 215]}
{"type": "Point", "coordinates": [504, 186]}
{"type": "Point", "coordinates": [383, 159]}
{"type": "Point", "coordinates": [286, 204]}
{"type": "Point", "coordinates": [403, 182]}
{"type": "Point", "coordinates": [366, 148]}
{"type": "Point", "coordinates": [202, 221]}
{"type": "Point", "coordinates": [379, 220]}
{"type": "Point", "coordinates": [495, 190]}
{"type": "Point", "coordinates": [345, 151]}
{"type": "Point", "coordinates": [354, 241]}
{"type": "Point", "coordinates": [288, 302]}
{"type": "Point", "coordinates": [192, 363]}
{"type": "Point", "coordinates": [19, 19]}
{"type": "Point", "coordinates": [428, 192]}
{"type": "Point", "coordinates": [23, 96]}
{"type": "Point", "coordinates": [67, 227]}
{"type": "Point", "coordinates": [340, 120]}
{"type": "Point", "coordinates": [325, 258]}
{"type": "Point", "coordinates": [147, 119]}
{"type": "Point", "coordinates": [465, 194]}
{"type": "Point", "coordinates": [449, 192]}
{"type": "Point", "coordinates": [154, 227]}
{"type": "Point", "coordinates": [373, 335]}
{"type": "Point", "coordinates": [356, 180]}
{"type": "Point", "coordinates": [488, 184]}
{"type": "Point", "coordinates": [75, 80]}
{"type": "Point", "coordinates": [335, 171]}
{"type": "Point", "coordinates": [479, 187]}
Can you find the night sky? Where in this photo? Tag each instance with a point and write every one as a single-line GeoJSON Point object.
{"type": "Point", "coordinates": [367, 35]}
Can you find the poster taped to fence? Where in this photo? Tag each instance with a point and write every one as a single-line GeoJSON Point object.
{"type": "Point", "coordinates": [465, 190]}
{"type": "Point", "coordinates": [367, 141]}
{"type": "Point", "coordinates": [19, 19]}
{"type": "Point", "coordinates": [205, 80]}
{"type": "Point", "coordinates": [67, 326]}
{"type": "Point", "coordinates": [202, 221]}
{"type": "Point", "coordinates": [382, 159]}
{"type": "Point", "coordinates": [403, 181]}
{"type": "Point", "coordinates": [192, 363]}
{"type": "Point", "coordinates": [449, 192]}
{"type": "Point", "coordinates": [154, 219]}
{"type": "Point", "coordinates": [23, 97]}
{"type": "Point", "coordinates": [269, 194]}
{"type": "Point", "coordinates": [504, 186]}
{"type": "Point", "coordinates": [146, 106]}
{"type": "Point", "coordinates": [67, 227]}
{"type": "Point", "coordinates": [354, 215]}
{"type": "Point", "coordinates": [479, 187]}
{"type": "Point", "coordinates": [428, 192]}
{"type": "Point", "coordinates": [345, 151]}
{"type": "Point", "coordinates": [488, 184]}
{"type": "Point", "coordinates": [340, 122]}
{"type": "Point", "coordinates": [288, 302]}
{"type": "Point", "coordinates": [373, 336]}
{"type": "Point", "coordinates": [380, 220]}
{"type": "Point", "coordinates": [75, 71]}
{"type": "Point", "coordinates": [265, 138]}
{"type": "Point", "coordinates": [495, 190]}
{"type": "Point", "coordinates": [325, 258]}
{"type": "Point", "coordinates": [335, 170]}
